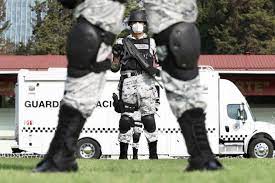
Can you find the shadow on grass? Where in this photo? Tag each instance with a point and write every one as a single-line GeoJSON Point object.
{"type": "Point", "coordinates": [5, 166]}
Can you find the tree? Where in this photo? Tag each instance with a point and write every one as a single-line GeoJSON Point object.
{"type": "Point", "coordinates": [53, 23]}
{"type": "Point", "coordinates": [237, 26]}
{"type": "Point", "coordinates": [6, 47]}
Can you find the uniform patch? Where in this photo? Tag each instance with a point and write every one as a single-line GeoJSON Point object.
{"type": "Point", "coordinates": [142, 46]}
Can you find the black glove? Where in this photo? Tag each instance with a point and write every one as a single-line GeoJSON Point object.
{"type": "Point", "coordinates": [70, 4]}
{"type": "Point", "coordinates": [117, 50]}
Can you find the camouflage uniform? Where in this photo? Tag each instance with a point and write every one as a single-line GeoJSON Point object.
{"type": "Point", "coordinates": [108, 15]}
{"type": "Point", "coordinates": [139, 90]}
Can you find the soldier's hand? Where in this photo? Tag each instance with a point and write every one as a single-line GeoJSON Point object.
{"type": "Point", "coordinates": [117, 50]}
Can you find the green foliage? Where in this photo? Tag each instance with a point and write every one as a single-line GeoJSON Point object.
{"type": "Point", "coordinates": [130, 6]}
{"type": "Point", "coordinates": [53, 23]}
{"type": "Point", "coordinates": [6, 47]}
{"type": "Point", "coordinates": [4, 24]}
{"type": "Point", "coordinates": [237, 26]}
{"type": "Point", "coordinates": [226, 26]}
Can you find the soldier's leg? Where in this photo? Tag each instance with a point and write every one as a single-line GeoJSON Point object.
{"type": "Point", "coordinates": [147, 95]}
{"type": "Point", "coordinates": [184, 92]}
{"type": "Point", "coordinates": [179, 45]}
{"type": "Point", "coordinates": [151, 134]}
{"type": "Point", "coordinates": [126, 122]}
{"type": "Point", "coordinates": [136, 136]}
{"type": "Point", "coordinates": [84, 83]}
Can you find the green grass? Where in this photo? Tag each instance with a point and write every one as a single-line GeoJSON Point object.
{"type": "Point", "coordinates": [166, 171]}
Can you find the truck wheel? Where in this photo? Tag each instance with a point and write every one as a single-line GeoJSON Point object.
{"type": "Point", "coordinates": [260, 148]}
{"type": "Point", "coordinates": [88, 149]}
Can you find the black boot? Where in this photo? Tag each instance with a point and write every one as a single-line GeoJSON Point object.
{"type": "Point", "coordinates": [192, 123]}
{"type": "Point", "coordinates": [61, 154]}
{"type": "Point", "coordinates": [135, 153]}
{"type": "Point", "coordinates": [153, 150]}
{"type": "Point", "coordinates": [123, 150]}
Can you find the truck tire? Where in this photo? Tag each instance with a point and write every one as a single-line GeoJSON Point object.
{"type": "Point", "coordinates": [88, 149]}
{"type": "Point", "coordinates": [260, 148]}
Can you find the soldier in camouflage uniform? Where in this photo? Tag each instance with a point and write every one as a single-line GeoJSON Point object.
{"type": "Point", "coordinates": [88, 49]}
{"type": "Point", "coordinates": [136, 85]}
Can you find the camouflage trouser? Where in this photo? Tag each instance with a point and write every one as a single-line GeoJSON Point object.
{"type": "Point", "coordinates": [183, 95]}
{"type": "Point", "coordinates": [138, 127]}
{"type": "Point", "coordinates": [139, 90]}
{"type": "Point", "coordinates": [164, 13]}
{"type": "Point", "coordinates": [108, 14]}
{"type": "Point", "coordinates": [82, 93]}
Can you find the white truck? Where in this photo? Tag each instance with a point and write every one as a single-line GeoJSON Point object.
{"type": "Point", "coordinates": [231, 127]}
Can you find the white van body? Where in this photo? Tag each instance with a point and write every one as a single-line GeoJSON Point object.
{"type": "Point", "coordinates": [229, 132]}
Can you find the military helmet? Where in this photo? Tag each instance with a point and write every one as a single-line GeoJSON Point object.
{"type": "Point", "coordinates": [137, 16]}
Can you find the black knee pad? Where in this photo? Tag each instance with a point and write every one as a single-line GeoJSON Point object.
{"type": "Point", "coordinates": [182, 41]}
{"type": "Point", "coordinates": [83, 44]}
{"type": "Point", "coordinates": [149, 123]}
{"type": "Point", "coordinates": [125, 124]}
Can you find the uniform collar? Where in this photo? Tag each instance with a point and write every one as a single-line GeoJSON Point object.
{"type": "Point", "coordinates": [142, 37]}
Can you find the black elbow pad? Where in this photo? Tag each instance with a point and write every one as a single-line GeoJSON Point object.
{"type": "Point", "coordinates": [70, 4]}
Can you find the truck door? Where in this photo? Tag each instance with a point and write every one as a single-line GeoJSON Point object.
{"type": "Point", "coordinates": [236, 121]}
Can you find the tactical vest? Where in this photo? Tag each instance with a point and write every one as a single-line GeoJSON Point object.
{"type": "Point", "coordinates": [143, 45]}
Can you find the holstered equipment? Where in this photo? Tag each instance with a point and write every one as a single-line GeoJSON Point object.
{"type": "Point", "coordinates": [121, 106]}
